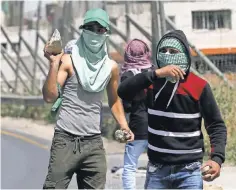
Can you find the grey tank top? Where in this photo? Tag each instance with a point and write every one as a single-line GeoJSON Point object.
{"type": "Point", "coordinates": [80, 111]}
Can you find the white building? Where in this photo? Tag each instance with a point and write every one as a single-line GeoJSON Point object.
{"type": "Point", "coordinates": [209, 25]}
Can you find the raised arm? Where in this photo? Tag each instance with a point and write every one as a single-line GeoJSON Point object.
{"type": "Point", "coordinates": [58, 72]}
{"type": "Point", "coordinates": [131, 86]}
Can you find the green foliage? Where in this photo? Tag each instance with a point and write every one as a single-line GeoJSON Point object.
{"type": "Point", "coordinates": [226, 100]}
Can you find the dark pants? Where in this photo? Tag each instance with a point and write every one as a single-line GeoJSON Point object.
{"type": "Point", "coordinates": [84, 156]}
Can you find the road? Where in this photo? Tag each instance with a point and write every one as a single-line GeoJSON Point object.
{"type": "Point", "coordinates": [25, 159]}
{"type": "Point", "coordinates": [23, 164]}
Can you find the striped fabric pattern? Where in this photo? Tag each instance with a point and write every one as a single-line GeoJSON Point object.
{"type": "Point", "coordinates": [174, 132]}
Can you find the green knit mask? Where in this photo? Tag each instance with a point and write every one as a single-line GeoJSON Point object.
{"type": "Point", "coordinates": [180, 59]}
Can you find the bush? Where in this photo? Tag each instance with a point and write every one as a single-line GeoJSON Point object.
{"type": "Point", "coordinates": [37, 113]}
{"type": "Point", "coordinates": [226, 100]}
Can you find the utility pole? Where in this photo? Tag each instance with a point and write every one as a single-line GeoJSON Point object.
{"type": "Point", "coordinates": [162, 17]}
{"type": "Point", "coordinates": [36, 47]}
{"type": "Point", "coordinates": [127, 10]}
{"type": "Point", "coordinates": [155, 28]}
{"type": "Point", "coordinates": [19, 44]}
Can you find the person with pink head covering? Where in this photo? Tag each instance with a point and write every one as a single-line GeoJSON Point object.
{"type": "Point", "coordinates": [136, 60]}
{"type": "Point", "coordinates": [137, 57]}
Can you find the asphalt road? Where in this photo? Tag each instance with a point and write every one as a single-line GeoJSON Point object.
{"type": "Point", "coordinates": [24, 161]}
{"type": "Point", "coordinates": [24, 165]}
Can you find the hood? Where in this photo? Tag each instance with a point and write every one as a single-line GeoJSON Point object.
{"type": "Point", "coordinates": [178, 34]}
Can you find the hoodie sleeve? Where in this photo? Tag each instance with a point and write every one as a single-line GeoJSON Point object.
{"type": "Point", "coordinates": [126, 104]}
{"type": "Point", "coordinates": [214, 124]}
{"type": "Point", "coordinates": [132, 85]}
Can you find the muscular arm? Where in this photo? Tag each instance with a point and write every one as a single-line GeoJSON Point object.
{"type": "Point", "coordinates": [113, 99]}
{"type": "Point", "coordinates": [58, 73]}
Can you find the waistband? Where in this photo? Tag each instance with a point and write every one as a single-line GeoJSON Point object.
{"type": "Point", "coordinates": [70, 135]}
{"type": "Point", "coordinates": [76, 139]}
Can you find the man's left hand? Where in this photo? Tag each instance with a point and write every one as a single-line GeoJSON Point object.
{"type": "Point", "coordinates": [213, 172]}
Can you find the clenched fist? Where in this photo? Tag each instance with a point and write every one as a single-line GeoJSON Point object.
{"type": "Point", "coordinates": [213, 172]}
{"type": "Point", "coordinates": [52, 58]}
{"type": "Point", "coordinates": [172, 71]}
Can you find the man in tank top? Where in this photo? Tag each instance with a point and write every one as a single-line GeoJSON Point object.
{"type": "Point", "coordinates": [83, 74]}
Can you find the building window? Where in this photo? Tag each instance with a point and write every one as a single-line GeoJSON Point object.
{"type": "Point", "coordinates": [168, 26]}
{"type": "Point", "coordinates": [211, 20]}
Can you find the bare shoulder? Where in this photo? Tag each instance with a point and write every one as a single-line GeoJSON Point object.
{"type": "Point", "coordinates": [66, 63]}
{"type": "Point", "coordinates": [114, 68]}
{"type": "Point", "coordinates": [114, 64]}
{"type": "Point", "coordinates": [114, 75]}
{"type": "Point", "coordinates": [66, 60]}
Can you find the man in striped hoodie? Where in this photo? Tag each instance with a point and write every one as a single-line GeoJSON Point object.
{"type": "Point", "coordinates": [177, 102]}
